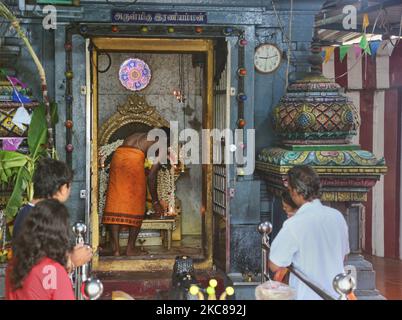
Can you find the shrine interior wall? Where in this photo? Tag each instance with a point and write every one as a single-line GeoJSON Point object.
{"type": "Point", "coordinates": [159, 93]}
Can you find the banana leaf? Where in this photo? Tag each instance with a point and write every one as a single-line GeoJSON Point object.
{"type": "Point", "coordinates": [15, 201]}
{"type": "Point", "coordinates": [12, 159]}
{"type": "Point", "coordinates": [37, 132]}
{"type": "Point", "coordinates": [18, 168]}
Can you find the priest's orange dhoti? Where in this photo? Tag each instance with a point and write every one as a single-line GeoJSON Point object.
{"type": "Point", "coordinates": [126, 192]}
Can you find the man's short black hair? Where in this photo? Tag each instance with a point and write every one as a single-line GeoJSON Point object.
{"type": "Point", "coordinates": [305, 180]}
{"type": "Point", "coordinates": [49, 176]}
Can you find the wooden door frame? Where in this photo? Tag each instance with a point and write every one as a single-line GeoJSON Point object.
{"type": "Point", "coordinates": [154, 45]}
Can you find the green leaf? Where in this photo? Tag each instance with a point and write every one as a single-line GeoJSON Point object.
{"type": "Point", "coordinates": [15, 200]}
{"type": "Point", "coordinates": [12, 159]}
{"type": "Point", "coordinates": [54, 113]}
{"type": "Point", "coordinates": [37, 132]}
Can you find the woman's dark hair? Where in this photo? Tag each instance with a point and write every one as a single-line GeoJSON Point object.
{"type": "Point", "coordinates": [45, 233]}
{"type": "Point", "coordinates": [49, 176]}
{"type": "Point", "coordinates": [288, 199]}
{"type": "Point", "coordinates": [305, 181]}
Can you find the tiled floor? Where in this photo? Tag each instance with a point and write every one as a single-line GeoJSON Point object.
{"type": "Point", "coordinates": [388, 276]}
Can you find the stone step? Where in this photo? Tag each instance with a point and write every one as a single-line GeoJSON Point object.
{"type": "Point", "coordinates": [369, 295]}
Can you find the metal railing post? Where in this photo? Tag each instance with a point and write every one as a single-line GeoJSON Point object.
{"type": "Point", "coordinates": [344, 284]}
{"type": "Point", "coordinates": [264, 228]}
{"type": "Point", "coordinates": [80, 273]}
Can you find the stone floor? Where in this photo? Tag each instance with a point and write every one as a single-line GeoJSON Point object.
{"type": "Point", "coordinates": [388, 276]}
{"type": "Point", "coordinates": [189, 246]}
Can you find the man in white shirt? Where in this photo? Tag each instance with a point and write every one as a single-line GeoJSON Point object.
{"type": "Point", "coordinates": [315, 240]}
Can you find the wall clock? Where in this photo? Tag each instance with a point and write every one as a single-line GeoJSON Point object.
{"type": "Point", "coordinates": [134, 74]}
{"type": "Point", "coordinates": [267, 58]}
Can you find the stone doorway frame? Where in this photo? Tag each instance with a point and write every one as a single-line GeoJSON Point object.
{"type": "Point", "coordinates": [154, 45]}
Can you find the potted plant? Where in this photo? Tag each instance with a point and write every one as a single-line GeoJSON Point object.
{"type": "Point", "coordinates": [15, 23]}
{"type": "Point", "coordinates": [17, 169]}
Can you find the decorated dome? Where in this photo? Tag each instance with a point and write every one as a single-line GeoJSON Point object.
{"type": "Point", "coordinates": [315, 111]}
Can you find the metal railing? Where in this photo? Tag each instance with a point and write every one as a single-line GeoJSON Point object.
{"type": "Point", "coordinates": [85, 286]}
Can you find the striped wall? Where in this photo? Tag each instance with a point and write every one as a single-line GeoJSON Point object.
{"type": "Point", "coordinates": [375, 87]}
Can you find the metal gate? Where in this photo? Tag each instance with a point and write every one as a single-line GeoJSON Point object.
{"type": "Point", "coordinates": [221, 121]}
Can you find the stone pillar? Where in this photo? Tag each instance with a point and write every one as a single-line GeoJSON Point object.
{"type": "Point", "coordinates": [365, 282]}
{"type": "Point", "coordinates": [315, 122]}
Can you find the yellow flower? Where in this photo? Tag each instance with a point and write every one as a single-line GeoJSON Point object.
{"type": "Point", "coordinates": [148, 163]}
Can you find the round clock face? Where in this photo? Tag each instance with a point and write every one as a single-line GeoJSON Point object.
{"type": "Point", "coordinates": [134, 74]}
{"type": "Point", "coordinates": [267, 58]}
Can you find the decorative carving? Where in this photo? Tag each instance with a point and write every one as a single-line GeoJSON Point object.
{"type": "Point", "coordinates": [134, 110]}
{"type": "Point", "coordinates": [281, 156]}
{"type": "Point", "coordinates": [314, 109]}
{"type": "Point", "coordinates": [315, 122]}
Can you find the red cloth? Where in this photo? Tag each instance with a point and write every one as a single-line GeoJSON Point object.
{"type": "Point", "coordinates": [48, 280]}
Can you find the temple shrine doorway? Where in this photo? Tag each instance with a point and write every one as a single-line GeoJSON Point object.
{"type": "Point", "coordinates": [178, 67]}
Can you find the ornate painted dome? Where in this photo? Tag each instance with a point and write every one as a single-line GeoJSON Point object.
{"type": "Point", "coordinates": [315, 111]}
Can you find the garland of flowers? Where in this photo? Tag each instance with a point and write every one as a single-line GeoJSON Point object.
{"type": "Point", "coordinates": [167, 188]}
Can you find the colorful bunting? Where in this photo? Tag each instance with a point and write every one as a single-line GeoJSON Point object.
{"type": "Point", "coordinates": [374, 45]}
{"type": "Point", "coordinates": [358, 50]}
{"type": "Point", "coordinates": [328, 53]}
{"type": "Point", "coordinates": [21, 117]}
{"type": "Point", "coordinates": [343, 50]}
{"type": "Point", "coordinates": [364, 44]}
{"type": "Point", "coordinates": [14, 81]}
{"type": "Point", "coordinates": [11, 144]}
{"type": "Point", "coordinates": [365, 21]}
{"type": "Point", "coordinates": [18, 97]}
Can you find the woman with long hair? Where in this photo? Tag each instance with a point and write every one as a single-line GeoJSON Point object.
{"type": "Point", "coordinates": [40, 262]}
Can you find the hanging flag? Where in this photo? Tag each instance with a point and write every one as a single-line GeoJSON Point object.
{"type": "Point", "coordinates": [328, 53]}
{"type": "Point", "coordinates": [358, 50]}
{"type": "Point", "coordinates": [14, 81]}
{"type": "Point", "coordinates": [364, 44]}
{"type": "Point", "coordinates": [374, 45]}
{"type": "Point", "coordinates": [365, 21]}
{"type": "Point", "coordinates": [323, 53]}
{"type": "Point", "coordinates": [343, 50]}
{"type": "Point", "coordinates": [21, 117]}
{"type": "Point", "coordinates": [18, 97]}
{"type": "Point", "coordinates": [11, 144]}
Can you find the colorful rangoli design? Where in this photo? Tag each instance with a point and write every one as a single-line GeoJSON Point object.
{"type": "Point", "coordinates": [134, 74]}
